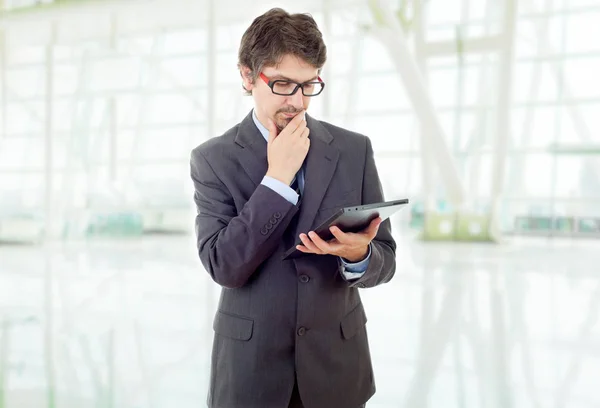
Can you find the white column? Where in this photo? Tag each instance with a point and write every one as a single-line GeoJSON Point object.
{"type": "Point", "coordinates": [353, 73]}
{"type": "Point", "coordinates": [3, 86]}
{"type": "Point", "coordinates": [211, 95]}
{"type": "Point", "coordinates": [478, 136]}
{"type": "Point", "coordinates": [426, 152]}
{"type": "Point", "coordinates": [50, 222]}
{"type": "Point", "coordinates": [503, 125]}
{"type": "Point", "coordinates": [112, 111]}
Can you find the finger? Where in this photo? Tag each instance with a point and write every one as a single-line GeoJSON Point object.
{"type": "Point", "coordinates": [309, 244]}
{"type": "Point", "coordinates": [341, 236]}
{"type": "Point", "coordinates": [305, 133]}
{"type": "Point", "coordinates": [371, 231]}
{"type": "Point", "coordinates": [307, 144]}
{"type": "Point", "coordinates": [298, 118]}
{"type": "Point", "coordinates": [321, 244]}
{"type": "Point", "coordinates": [304, 249]}
{"type": "Point", "coordinates": [295, 122]}
{"type": "Point", "coordinates": [299, 129]}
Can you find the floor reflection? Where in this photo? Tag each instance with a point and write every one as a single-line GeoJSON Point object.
{"type": "Point", "coordinates": [129, 324]}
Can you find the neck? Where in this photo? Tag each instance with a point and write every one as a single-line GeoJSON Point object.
{"type": "Point", "coordinates": [261, 118]}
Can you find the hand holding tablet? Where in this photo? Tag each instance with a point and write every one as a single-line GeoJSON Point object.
{"type": "Point", "coordinates": [351, 219]}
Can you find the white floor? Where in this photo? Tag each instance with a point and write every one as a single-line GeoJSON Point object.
{"type": "Point", "coordinates": [127, 324]}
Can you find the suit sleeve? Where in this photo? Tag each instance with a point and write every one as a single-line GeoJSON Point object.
{"type": "Point", "coordinates": [232, 246]}
{"type": "Point", "coordinates": [382, 264]}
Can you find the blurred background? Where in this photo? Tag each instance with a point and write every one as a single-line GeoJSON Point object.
{"type": "Point", "coordinates": [484, 113]}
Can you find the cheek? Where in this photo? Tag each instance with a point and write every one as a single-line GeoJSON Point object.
{"type": "Point", "coordinates": [267, 102]}
{"type": "Point", "coordinates": [306, 102]}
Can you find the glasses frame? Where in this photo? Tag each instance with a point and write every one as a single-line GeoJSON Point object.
{"type": "Point", "coordinates": [271, 84]}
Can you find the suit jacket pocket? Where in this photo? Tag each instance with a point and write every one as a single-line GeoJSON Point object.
{"type": "Point", "coordinates": [353, 321]}
{"type": "Point", "coordinates": [232, 326]}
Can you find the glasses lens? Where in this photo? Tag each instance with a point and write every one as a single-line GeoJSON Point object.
{"type": "Point", "coordinates": [283, 87]}
{"type": "Point", "coordinates": [313, 88]}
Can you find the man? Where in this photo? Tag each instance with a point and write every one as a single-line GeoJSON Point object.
{"type": "Point", "coordinates": [288, 332]}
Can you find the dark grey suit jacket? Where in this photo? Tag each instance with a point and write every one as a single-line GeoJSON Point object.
{"type": "Point", "coordinates": [279, 317]}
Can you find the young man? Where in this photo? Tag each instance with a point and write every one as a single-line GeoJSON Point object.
{"type": "Point", "coordinates": [288, 333]}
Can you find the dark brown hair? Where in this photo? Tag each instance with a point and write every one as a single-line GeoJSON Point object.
{"type": "Point", "coordinates": [277, 33]}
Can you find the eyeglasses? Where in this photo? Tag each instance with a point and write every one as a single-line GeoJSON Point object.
{"type": "Point", "coordinates": [286, 87]}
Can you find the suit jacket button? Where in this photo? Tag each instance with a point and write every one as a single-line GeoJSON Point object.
{"type": "Point", "coordinates": [277, 215]}
{"type": "Point", "coordinates": [268, 227]}
{"type": "Point", "coordinates": [273, 221]}
{"type": "Point", "coordinates": [264, 231]}
{"type": "Point", "coordinates": [304, 278]}
{"type": "Point", "coordinates": [301, 331]}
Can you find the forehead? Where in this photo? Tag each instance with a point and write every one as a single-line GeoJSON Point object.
{"type": "Point", "coordinates": [291, 67]}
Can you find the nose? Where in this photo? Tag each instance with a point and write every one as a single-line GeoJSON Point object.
{"type": "Point", "coordinates": [296, 100]}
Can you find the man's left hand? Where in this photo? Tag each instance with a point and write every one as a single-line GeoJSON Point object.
{"type": "Point", "coordinates": [352, 246]}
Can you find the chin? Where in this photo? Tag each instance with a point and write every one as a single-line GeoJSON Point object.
{"type": "Point", "coordinates": [281, 123]}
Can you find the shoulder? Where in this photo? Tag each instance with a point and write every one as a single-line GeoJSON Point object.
{"type": "Point", "coordinates": [218, 145]}
{"type": "Point", "coordinates": [347, 138]}
{"type": "Point", "coordinates": [337, 131]}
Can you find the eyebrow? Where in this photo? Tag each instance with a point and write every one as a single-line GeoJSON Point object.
{"type": "Point", "coordinates": [275, 77]}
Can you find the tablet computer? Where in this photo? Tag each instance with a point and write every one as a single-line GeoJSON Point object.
{"type": "Point", "coordinates": [351, 219]}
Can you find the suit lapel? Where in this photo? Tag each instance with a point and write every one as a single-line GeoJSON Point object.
{"type": "Point", "coordinates": [321, 162]}
{"type": "Point", "coordinates": [253, 156]}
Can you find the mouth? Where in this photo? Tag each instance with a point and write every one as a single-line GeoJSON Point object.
{"type": "Point", "coordinates": [289, 115]}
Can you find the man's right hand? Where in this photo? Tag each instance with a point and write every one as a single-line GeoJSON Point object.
{"type": "Point", "coordinates": [287, 150]}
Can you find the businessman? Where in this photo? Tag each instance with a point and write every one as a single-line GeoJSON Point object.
{"type": "Point", "coordinates": [288, 332]}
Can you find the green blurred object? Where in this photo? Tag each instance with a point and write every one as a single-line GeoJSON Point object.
{"type": "Point", "coordinates": [438, 227]}
{"type": "Point", "coordinates": [589, 225]}
{"type": "Point", "coordinates": [473, 227]}
{"type": "Point", "coordinates": [377, 13]}
{"type": "Point", "coordinates": [564, 224]}
{"type": "Point", "coordinates": [463, 227]}
{"type": "Point", "coordinates": [417, 216]}
{"type": "Point", "coordinates": [545, 224]}
{"type": "Point", "coordinates": [124, 224]}
{"type": "Point", "coordinates": [576, 149]}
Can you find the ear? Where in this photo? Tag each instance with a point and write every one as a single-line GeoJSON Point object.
{"type": "Point", "coordinates": [246, 75]}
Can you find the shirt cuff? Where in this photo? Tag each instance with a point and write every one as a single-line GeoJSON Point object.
{"type": "Point", "coordinates": [281, 188]}
{"type": "Point", "coordinates": [357, 269]}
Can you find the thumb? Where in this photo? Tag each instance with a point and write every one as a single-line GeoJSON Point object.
{"type": "Point", "coordinates": [273, 131]}
{"type": "Point", "coordinates": [374, 227]}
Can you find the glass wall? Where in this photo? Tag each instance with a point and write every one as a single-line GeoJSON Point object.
{"type": "Point", "coordinates": [114, 108]}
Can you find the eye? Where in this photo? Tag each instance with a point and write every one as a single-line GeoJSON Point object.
{"type": "Point", "coordinates": [283, 84]}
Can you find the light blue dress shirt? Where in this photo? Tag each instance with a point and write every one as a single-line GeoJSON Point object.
{"type": "Point", "coordinates": [349, 270]}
